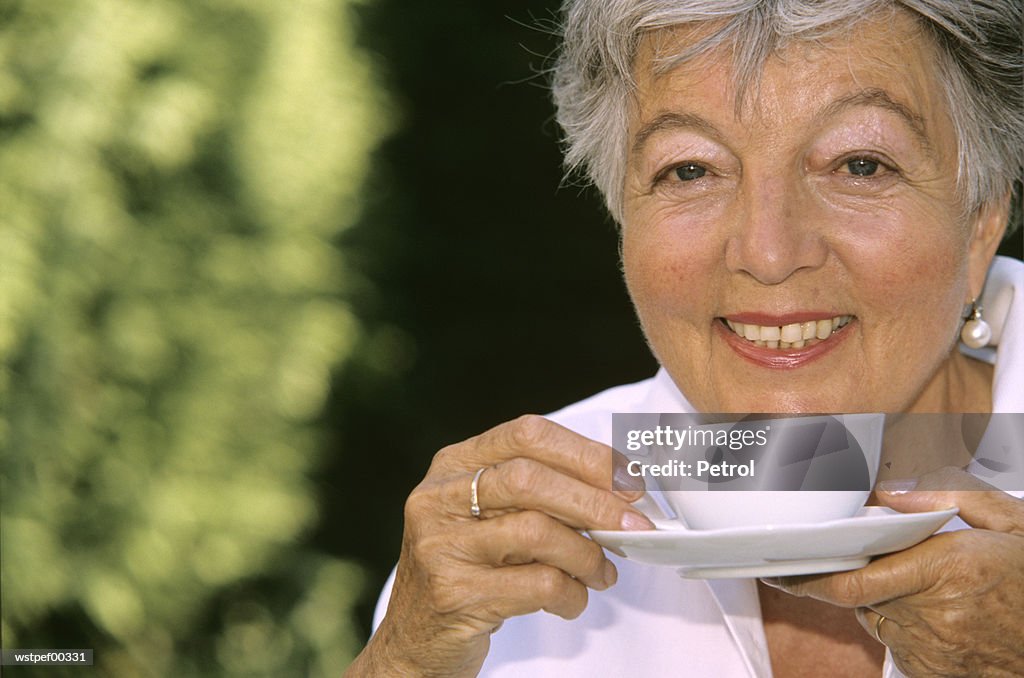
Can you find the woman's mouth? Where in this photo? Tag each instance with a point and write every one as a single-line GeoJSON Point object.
{"type": "Point", "coordinates": [790, 336]}
{"type": "Point", "coordinates": [788, 345]}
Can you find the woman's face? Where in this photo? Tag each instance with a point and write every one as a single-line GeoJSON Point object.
{"type": "Point", "coordinates": [826, 209]}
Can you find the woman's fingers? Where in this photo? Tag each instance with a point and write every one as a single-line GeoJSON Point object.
{"type": "Point", "coordinates": [877, 625]}
{"type": "Point", "coordinates": [923, 566]}
{"type": "Point", "coordinates": [478, 571]}
{"type": "Point", "coordinates": [481, 546]}
{"type": "Point", "coordinates": [981, 505]}
{"type": "Point", "coordinates": [952, 603]}
{"type": "Point", "coordinates": [537, 438]}
{"type": "Point", "coordinates": [893, 576]}
{"type": "Point", "coordinates": [551, 590]}
{"type": "Point", "coordinates": [533, 537]}
{"type": "Point", "coordinates": [525, 484]}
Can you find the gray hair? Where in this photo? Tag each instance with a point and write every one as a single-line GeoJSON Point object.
{"type": "Point", "coordinates": [979, 64]}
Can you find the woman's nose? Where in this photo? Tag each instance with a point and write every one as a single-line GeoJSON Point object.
{"type": "Point", "coordinates": [776, 232]}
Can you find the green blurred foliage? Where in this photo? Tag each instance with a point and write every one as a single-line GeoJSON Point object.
{"type": "Point", "coordinates": [174, 179]}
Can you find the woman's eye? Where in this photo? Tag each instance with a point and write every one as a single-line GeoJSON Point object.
{"type": "Point", "coordinates": [862, 167]}
{"type": "Point", "coordinates": [689, 172]}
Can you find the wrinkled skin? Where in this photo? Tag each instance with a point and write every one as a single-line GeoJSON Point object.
{"type": "Point", "coordinates": [767, 214]}
{"type": "Point", "coordinates": [952, 603]}
{"type": "Point", "coordinates": [459, 578]}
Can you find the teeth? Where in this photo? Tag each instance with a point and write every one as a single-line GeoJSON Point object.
{"type": "Point", "coordinates": [791, 333]}
{"type": "Point", "coordinates": [794, 335]}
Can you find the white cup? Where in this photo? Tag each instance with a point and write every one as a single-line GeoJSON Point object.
{"type": "Point", "coordinates": [705, 505]}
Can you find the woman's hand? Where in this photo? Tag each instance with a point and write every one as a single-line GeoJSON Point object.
{"type": "Point", "coordinates": [953, 604]}
{"type": "Point", "coordinates": [460, 577]}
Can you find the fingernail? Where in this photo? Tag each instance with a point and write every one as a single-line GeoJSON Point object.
{"type": "Point", "coordinates": [622, 481]}
{"type": "Point", "coordinates": [611, 575]}
{"type": "Point", "coordinates": [897, 487]}
{"type": "Point", "coordinates": [774, 582]}
{"type": "Point", "coordinates": [636, 521]}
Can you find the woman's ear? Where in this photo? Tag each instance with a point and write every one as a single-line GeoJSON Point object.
{"type": "Point", "coordinates": [988, 228]}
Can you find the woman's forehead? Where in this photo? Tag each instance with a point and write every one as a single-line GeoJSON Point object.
{"type": "Point", "coordinates": [889, 64]}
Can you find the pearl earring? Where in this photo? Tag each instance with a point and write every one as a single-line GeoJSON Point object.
{"type": "Point", "coordinates": [976, 333]}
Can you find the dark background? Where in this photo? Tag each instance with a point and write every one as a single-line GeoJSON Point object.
{"type": "Point", "coordinates": [503, 281]}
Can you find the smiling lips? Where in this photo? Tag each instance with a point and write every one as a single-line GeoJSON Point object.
{"type": "Point", "coordinates": [790, 336]}
{"type": "Point", "coordinates": [784, 346]}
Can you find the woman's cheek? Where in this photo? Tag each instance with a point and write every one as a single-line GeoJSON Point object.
{"type": "Point", "coordinates": [668, 271]}
{"type": "Point", "coordinates": [901, 250]}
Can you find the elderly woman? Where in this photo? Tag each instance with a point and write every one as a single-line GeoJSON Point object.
{"type": "Point", "coordinates": [771, 163]}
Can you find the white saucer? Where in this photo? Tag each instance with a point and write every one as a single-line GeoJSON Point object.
{"type": "Point", "coordinates": [775, 550]}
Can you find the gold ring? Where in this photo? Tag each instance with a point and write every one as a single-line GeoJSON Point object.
{"type": "Point", "coordinates": [878, 628]}
{"type": "Point", "coordinates": [474, 503]}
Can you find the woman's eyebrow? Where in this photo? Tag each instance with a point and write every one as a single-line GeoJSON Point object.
{"type": "Point", "coordinates": [880, 98]}
{"type": "Point", "coordinates": [866, 97]}
{"type": "Point", "coordinates": [672, 121]}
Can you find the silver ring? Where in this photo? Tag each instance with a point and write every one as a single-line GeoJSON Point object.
{"type": "Point", "coordinates": [474, 503]}
{"type": "Point", "coordinates": [878, 628]}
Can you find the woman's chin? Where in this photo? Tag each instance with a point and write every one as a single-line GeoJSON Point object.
{"type": "Point", "coordinates": [782, 401]}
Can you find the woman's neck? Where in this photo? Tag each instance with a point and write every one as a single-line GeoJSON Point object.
{"type": "Point", "coordinates": [931, 434]}
{"type": "Point", "coordinates": [962, 385]}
